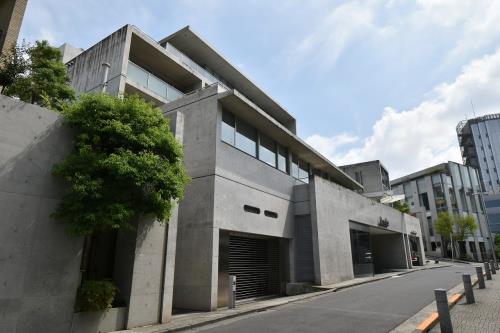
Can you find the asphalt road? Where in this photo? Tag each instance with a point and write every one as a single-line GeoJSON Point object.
{"type": "Point", "coordinates": [374, 307]}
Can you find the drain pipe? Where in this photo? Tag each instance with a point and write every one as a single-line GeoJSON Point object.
{"type": "Point", "coordinates": [106, 67]}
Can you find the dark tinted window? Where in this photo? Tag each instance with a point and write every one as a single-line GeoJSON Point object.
{"type": "Point", "coordinates": [267, 150]}
{"type": "Point", "coordinates": [246, 138]}
{"type": "Point", "coordinates": [227, 128]}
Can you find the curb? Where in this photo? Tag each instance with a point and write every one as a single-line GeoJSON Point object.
{"type": "Point", "coordinates": [271, 306]}
{"type": "Point", "coordinates": [433, 318]}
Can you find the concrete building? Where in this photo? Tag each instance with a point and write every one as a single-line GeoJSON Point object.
{"type": "Point", "coordinates": [262, 204]}
{"type": "Point", "coordinates": [479, 140]}
{"type": "Point", "coordinates": [447, 187]}
{"type": "Point", "coordinates": [11, 18]}
{"type": "Point", "coordinates": [372, 175]}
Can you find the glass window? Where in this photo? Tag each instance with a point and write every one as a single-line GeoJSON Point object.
{"type": "Point", "coordinates": [303, 171]}
{"type": "Point", "coordinates": [227, 128]}
{"type": "Point", "coordinates": [295, 167]}
{"type": "Point", "coordinates": [282, 158]}
{"type": "Point", "coordinates": [439, 197]}
{"type": "Point", "coordinates": [408, 193]}
{"type": "Point", "coordinates": [267, 150]}
{"type": "Point", "coordinates": [451, 192]}
{"type": "Point", "coordinates": [246, 138]}
{"type": "Point", "coordinates": [430, 226]}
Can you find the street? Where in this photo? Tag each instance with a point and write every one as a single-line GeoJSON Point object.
{"type": "Point", "coordinates": [373, 307]}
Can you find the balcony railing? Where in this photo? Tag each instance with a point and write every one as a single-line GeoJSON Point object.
{"type": "Point", "coordinates": [211, 78]}
{"type": "Point", "coordinates": [151, 82]}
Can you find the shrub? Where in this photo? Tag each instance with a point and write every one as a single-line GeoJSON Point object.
{"type": "Point", "coordinates": [126, 163]}
{"type": "Point", "coordinates": [95, 295]}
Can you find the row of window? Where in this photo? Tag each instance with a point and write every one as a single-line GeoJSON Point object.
{"type": "Point", "coordinates": [241, 135]}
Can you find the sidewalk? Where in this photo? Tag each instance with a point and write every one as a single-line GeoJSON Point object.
{"type": "Point", "coordinates": [185, 321]}
{"type": "Point", "coordinates": [483, 316]}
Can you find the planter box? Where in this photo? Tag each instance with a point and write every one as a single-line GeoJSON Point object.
{"type": "Point", "coordinates": [99, 322]}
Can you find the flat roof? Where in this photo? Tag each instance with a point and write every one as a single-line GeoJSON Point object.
{"type": "Point", "coordinates": [433, 169]}
{"type": "Point", "coordinates": [201, 52]}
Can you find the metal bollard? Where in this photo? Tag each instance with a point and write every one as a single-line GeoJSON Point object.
{"type": "Point", "coordinates": [231, 292]}
{"type": "Point", "coordinates": [487, 270]}
{"type": "Point", "coordinates": [492, 267]}
{"type": "Point", "coordinates": [480, 278]}
{"type": "Point", "coordinates": [469, 293]}
{"type": "Point", "coordinates": [443, 311]}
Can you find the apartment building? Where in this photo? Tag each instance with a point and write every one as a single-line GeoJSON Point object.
{"type": "Point", "coordinates": [447, 187]}
{"type": "Point", "coordinates": [479, 140]}
{"type": "Point", "coordinates": [262, 205]}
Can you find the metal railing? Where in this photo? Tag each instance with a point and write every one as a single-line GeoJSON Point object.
{"type": "Point", "coordinates": [151, 82]}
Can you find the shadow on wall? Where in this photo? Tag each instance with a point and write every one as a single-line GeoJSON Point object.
{"type": "Point", "coordinates": [39, 261]}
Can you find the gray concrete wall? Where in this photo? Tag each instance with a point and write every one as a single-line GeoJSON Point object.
{"type": "Point", "coordinates": [39, 271]}
{"type": "Point", "coordinates": [86, 72]}
{"type": "Point", "coordinates": [332, 208]}
{"type": "Point", "coordinates": [372, 177]}
{"type": "Point", "coordinates": [197, 241]}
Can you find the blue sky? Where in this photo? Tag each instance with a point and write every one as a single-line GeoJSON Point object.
{"type": "Point", "coordinates": [366, 80]}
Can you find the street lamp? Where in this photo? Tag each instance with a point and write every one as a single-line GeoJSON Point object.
{"type": "Point", "coordinates": [492, 244]}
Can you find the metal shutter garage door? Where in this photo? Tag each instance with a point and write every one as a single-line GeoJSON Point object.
{"type": "Point", "coordinates": [255, 262]}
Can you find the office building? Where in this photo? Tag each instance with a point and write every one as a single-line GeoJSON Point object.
{"type": "Point", "coordinates": [447, 187]}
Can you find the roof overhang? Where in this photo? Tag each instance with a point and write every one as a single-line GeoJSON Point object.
{"type": "Point", "coordinates": [443, 167]}
{"type": "Point", "coordinates": [251, 113]}
{"type": "Point", "coordinates": [192, 45]}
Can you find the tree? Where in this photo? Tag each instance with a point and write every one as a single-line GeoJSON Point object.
{"type": "Point", "coordinates": [13, 64]}
{"type": "Point", "coordinates": [126, 163]}
{"type": "Point", "coordinates": [401, 206]}
{"type": "Point", "coordinates": [455, 228]}
{"type": "Point", "coordinates": [45, 81]}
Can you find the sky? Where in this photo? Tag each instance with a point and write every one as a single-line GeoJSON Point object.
{"type": "Point", "coordinates": [366, 80]}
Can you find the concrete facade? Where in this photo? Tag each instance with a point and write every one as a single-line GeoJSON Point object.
{"type": "Point", "coordinates": [372, 175]}
{"type": "Point", "coordinates": [262, 204]}
{"type": "Point", "coordinates": [447, 187]}
{"type": "Point", "coordinates": [40, 263]}
{"type": "Point", "coordinates": [11, 18]}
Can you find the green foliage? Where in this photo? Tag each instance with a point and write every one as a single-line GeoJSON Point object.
{"type": "Point", "coordinates": [497, 245]}
{"type": "Point", "coordinates": [402, 207]}
{"type": "Point", "coordinates": [459, 226]}
{"type": "Point", "coordinates": [126, 163]}
{"type": "Point", "coordinates": [444, 224]}
{"type": "Point", "coordinates": [13, 64]}
{"type": "Point", "coordinates": [95, 295]}
{"type": "Point", "coordinates": [45, 79]}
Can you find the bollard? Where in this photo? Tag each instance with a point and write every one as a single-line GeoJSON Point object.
{"type": "Point", "coordinates": [231, 292]}
{"type": "Point", "coordinates": [480, 277]}
{"type": "Point", "coordinates": [487, 270]}
{"type": "Point", "coordinates": [443, 311]}
{"type": "Point", "coordinates": [496, 265]}
{"type": "Point", "coordinates": [492, 267]}
{"type": "Point", "coordinates": [469, 293]}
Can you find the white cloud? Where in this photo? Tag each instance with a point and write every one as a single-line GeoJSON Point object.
{"type": "Point", "coordinates": [410, 140]}
{"type": "Point", "coordinates": [337, 30]}
{"type": "Point", "coordinates": [329, 146]}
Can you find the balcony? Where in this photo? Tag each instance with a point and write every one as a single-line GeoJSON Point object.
{"type": "Point", "coordinates": [211, 78]}
{"type": "Point", "coordinates": [152, 83]}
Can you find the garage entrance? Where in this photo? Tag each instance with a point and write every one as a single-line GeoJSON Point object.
{"type": "Point", "coordinates": [254, 260]}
